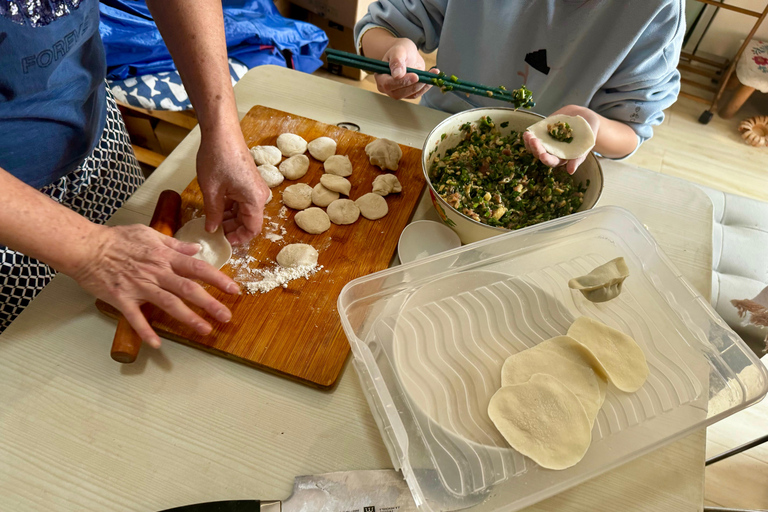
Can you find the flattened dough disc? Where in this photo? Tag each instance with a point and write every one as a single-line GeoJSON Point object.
{"type": "Point", "coordinates": [543, 420]}
{"type": "Point", "coordinates": [214, 247]}
{"type": "Point", "coordinates": [583, 136]}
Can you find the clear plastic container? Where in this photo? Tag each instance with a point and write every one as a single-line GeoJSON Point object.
{"type": "Point", "coordinates": [429, 339]}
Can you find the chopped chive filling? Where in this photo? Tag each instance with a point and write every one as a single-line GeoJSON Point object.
{"type": "Point", "coordinates": [561, 131]}
{"type": "Point", "coordinates": [493, 179]}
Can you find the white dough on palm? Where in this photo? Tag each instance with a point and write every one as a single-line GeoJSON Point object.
{"type": "Point", "coordinates": [291, 144]}
{"type": "Point", "coordinates": [583, 136]}
{"type": "Point", "coordinates": [321, 148]}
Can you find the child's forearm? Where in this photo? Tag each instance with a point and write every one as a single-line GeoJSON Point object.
{"type": "Point", "coordinates": [615, 139]}
{"type": "Point", "coordinates": [376, 42]}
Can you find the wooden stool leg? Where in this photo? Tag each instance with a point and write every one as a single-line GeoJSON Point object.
{"type": "Point", "coordinates": [737, 101]}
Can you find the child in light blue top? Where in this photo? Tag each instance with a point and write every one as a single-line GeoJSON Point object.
{"type": "Point", "coordinates": [612, 62]}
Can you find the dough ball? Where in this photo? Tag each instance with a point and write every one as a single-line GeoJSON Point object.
{"type": "Point", "coordinates": [617, 356]}
{"type": "Point", "coordinates": [321, 148]}
{"type": "Point", "coordinates": [338, 165]}
{"type": "Point", "coordinates": [386, 184]}
{"type": "Point", "coordinates": [583, 138]}
{"type": "Point", "coordinates": [321, 196]}
{"type": "Point", "coordinates": [214, 247]}
{"type": "Point", "coordinates": [291, 144]}
{"type": "Point", "coordinates": [543, 420]}
{"type": "Point", "coordinates": [343, 211]}
{"type": "Point", "coordinates": [266, 155]}
{"type": "Point", "coordinates": [298, 196]}
{"type": "Point", "coordinates": [271, 175]}
{"type": "Point", "coordinates": [372, 206]}
{"type": "Point", "coordinates": [269, 198]}
{"type": "Point", "coordinates": [384, 153]}
{"type": "Point", "coordinates": [297, 255]}
{"type": "Point", "coordinates": [295, 167]}
{"type": "Point", "coordinates": [336, 183]}
{"type": "Point", "coordinates": [313, 220]}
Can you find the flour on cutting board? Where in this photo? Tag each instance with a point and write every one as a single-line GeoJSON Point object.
{"type": "Point", "coordinates": [261, 280]}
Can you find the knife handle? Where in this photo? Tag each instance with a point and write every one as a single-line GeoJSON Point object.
{"type": "Point", "coordinates": [230, 506]}
{"type": "Point", "coordinates": [166, 219]}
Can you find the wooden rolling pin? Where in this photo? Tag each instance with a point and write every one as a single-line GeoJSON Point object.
{"type": "Point", "coordinates": [166, 220]}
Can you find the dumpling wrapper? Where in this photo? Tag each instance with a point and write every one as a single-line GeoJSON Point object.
{"type": "Point", "coordinates": [214, 247]}
{"type": "Point", "coordinates": [543, 420]}
{"type": "Point", "coordinates": [564, 359]}
{"type": "Point", "coordinates": [583, 136]}
{"type": "Point", "coordinates": [604, 282]}
{"type": "Point", "coordinates": [617, 356]}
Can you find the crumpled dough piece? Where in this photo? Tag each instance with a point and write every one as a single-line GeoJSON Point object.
{"type": "Point", "coordinates": [338, 165]}
{"type": "Point", "coordinates": [554, 357]}
{"type": "Point", "coordinates": [266, 155]}
{"type": "Point", "coordinates": [214, 247]}
{"type": "Point", "coordinates": [385, 184]}
{"type": "Point", "coordinates": [603, 283]}
{"type": "Point", "coordinates": [313, 220]}
{"type": "Point", "coordinates": [617, 356]}
{"type": "Point", "coordinates": [343, 211]}
{"type": "Point", "coordinates": [321, 148]}
{"type": "Point", "coordinates": [543, 420]}
{"type": "Point", "coordinates": [271, 175]}
{"type": "Point", "coordinates": [583, 136]}
{"type": "Point", "coordinates": [322, 197]}
{"type": "Point", "coordinates": [297, 255]}
{"type": "Point", "coordinates": [291, 144]}
{"type": "Point", "coordinates": [384, 153]}
{"type": "Point", "coordinates": [298, 196]}
{"type": "Point", "coordinates": [372, 206]}
{"type": "Point", "coordinates": [295, 167]}
{"type": "Point", "coordinates": [336, 183]}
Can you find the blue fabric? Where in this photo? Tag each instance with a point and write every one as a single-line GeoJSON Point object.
{"type": "Point", "coordinates": [256, 34]}
{"type": "Point", "coordinates": [52, 94]}
{"type": "Point", "coordinates": [619, 58]}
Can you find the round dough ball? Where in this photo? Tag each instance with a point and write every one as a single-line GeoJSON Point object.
{"type": "Point", "coordinates": [214, 247]}
{"type": "Point", "coordinates": [384, 153]}
{"type": "Point", "coordinates": [266, 155]}
{"type": "Point", "coordinates": [336, 183]}
{"type": "Point", "coordinates": [321, 196]}
{"type": "Point", "coordinates": [321, 148]}
{"type": "Point", "coordinates": [313, 220]}
{"type": "Point", "coordinates": [385, 184]}
{"type": "Point", "coordinates": [298, 196]}
{"type": "Point", "coordinates": [343, 211]}
{"type": "Point", "coordinates": [295, 167]}
{"type": "Point", "coordinates": [338, 165]}
{"type": "Point", "coordinates": [271, 175]}
{"type": "Point", "coordinates": [291, 144]}
{"type": "Point", "coordinates": [297, 255]}
{"type": "Point", "coordinates": [372, 206]}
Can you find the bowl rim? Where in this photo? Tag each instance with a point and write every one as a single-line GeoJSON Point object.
{"type": "Point", "coordinates": [425, 155]}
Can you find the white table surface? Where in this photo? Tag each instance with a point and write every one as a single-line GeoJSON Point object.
{"type": "Point", "coordinates": [81, 432]}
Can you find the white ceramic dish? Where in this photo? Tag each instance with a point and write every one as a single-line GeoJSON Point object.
{"type": "Point", "coordinates": [425, 238]}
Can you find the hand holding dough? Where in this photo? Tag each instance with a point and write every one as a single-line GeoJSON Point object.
{"type": "Point", "coordinates": [214, 247]}
{"type": "Point", "coordinates": [583, 136]}
{"type": "Point", "coordinates": [384, 153]}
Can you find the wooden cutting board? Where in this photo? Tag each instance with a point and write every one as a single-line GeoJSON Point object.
{"type": "Point", "coordinates": [296, 331]}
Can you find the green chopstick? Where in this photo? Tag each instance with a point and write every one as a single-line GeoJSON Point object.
{"type": "Point", "coordinates": [521, 98]}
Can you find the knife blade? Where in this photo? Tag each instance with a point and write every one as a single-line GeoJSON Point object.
{"type": "Point", "coordinates": [344, 491]}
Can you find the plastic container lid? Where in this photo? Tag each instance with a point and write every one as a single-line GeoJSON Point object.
{"type": "Point", "coordinates": [429, 339]}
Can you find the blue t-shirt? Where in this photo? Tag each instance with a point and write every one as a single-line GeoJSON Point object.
{"type": "Point", "coordinates": [52, 93]}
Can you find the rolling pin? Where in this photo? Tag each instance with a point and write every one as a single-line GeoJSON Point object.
{"type": "Point", "coordinates": [166, 220]}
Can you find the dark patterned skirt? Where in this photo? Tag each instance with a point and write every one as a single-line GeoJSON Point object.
{"type": "Point", "coordinates": [95, 190]}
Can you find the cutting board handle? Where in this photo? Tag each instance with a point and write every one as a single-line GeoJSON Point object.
{"type": "Point", "coordinates": [166, 220]}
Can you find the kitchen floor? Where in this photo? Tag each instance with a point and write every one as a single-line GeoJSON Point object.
{"type": "Point", "coordinates": [713, 155]}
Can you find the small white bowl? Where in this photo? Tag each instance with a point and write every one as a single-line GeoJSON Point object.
{"type": "Point", "coordinates": [425, 238]}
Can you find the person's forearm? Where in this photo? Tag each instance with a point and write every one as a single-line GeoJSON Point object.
{"type": "Point", "coordinates": [376, 42]}
{"type": "Point", "coordinates": [615, 139]}
{"type": "Point", "coordinates": [35, 225]}
{"type": "Point", "coordinates": [194, 34]}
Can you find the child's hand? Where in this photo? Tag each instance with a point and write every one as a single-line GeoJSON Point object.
{"type": "Point", "coordinates": [400, 84]}
{"type": "Point", "coordinates": [535, 146]}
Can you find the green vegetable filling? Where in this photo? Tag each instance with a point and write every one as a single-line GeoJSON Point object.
{"type": "Point", "coordinates": [561, 131]}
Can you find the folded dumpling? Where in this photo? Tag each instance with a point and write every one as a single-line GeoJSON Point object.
{"type": "Point", "coordinates": [603, 283]}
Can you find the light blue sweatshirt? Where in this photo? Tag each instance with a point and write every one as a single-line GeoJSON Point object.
{"type": "Point", "coordinates": [617, 57]}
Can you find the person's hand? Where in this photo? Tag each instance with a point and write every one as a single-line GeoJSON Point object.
{"type": "Point", "coordinates": [127, 266]}
{"type": "Point", "coordinates": [400, 84]}
{"type": "Point", "coordinates": [535, 146]}
{"type": "Point", "coordinates": [234, 192]}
